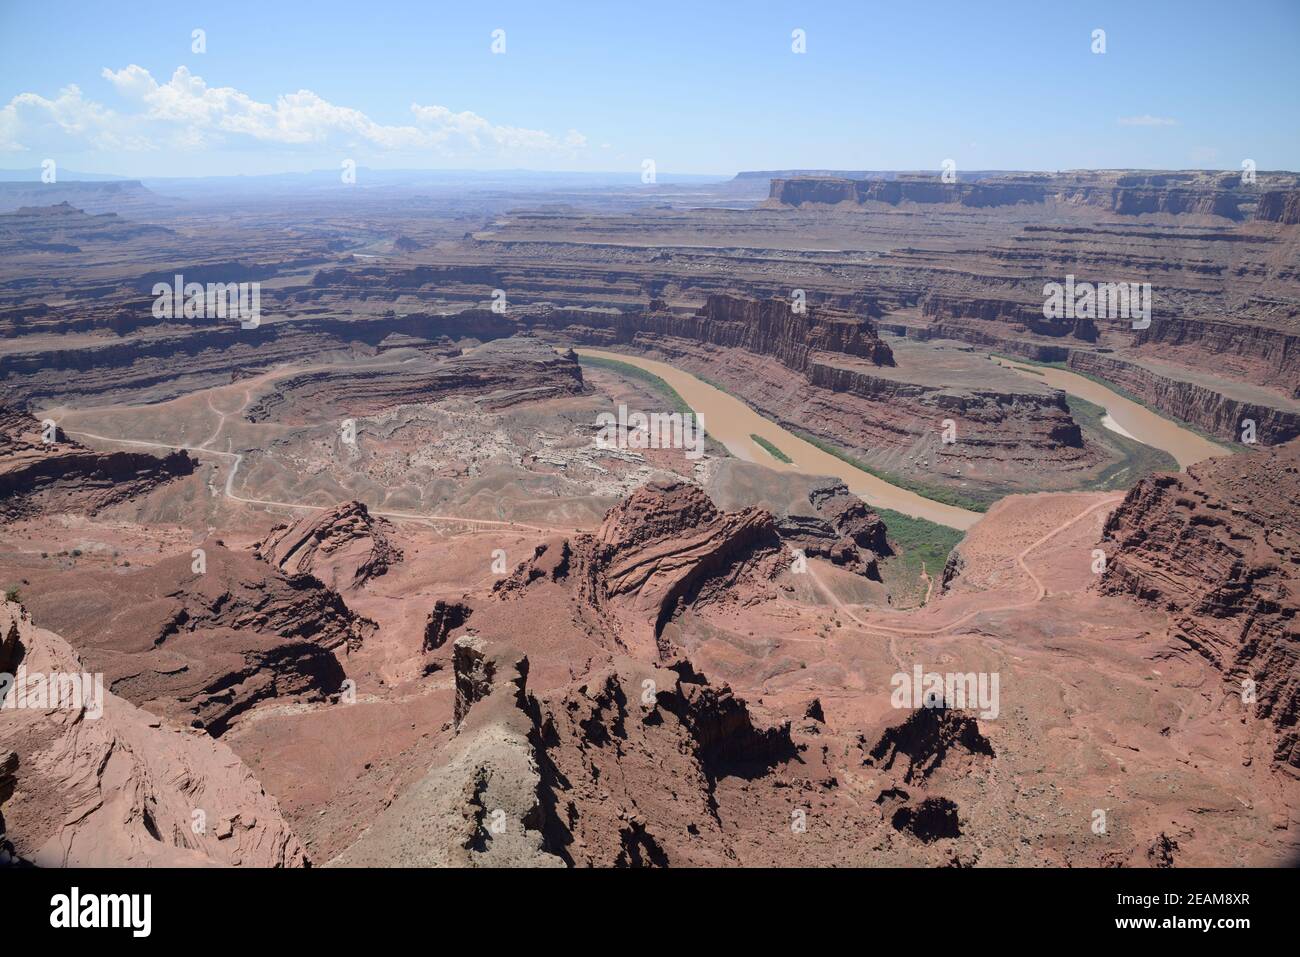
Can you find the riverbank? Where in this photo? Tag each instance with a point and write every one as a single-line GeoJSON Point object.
{"type": "Point", "coordinates": [733, 423]}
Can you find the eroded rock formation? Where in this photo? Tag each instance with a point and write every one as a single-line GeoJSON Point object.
{"type": "Point", "coordinates": [342, 547]}
{"type": "Point", "coordinates": [111, 785]}
{"type": "Point", "coordinates": [844, 530]}
{"type": "Point", "coordinates": [1218, 548]}
{"type": "Point", "coordinates": [40, 478]}
{"type": "Point", "coordinates": [202, 646]}
{"type": "Point", "coordinates": [665, 547]}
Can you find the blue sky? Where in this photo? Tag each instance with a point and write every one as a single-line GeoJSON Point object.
{"type": "Point", "coordinates": [698, 87]}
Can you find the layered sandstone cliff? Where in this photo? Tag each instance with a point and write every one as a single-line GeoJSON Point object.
{"type": "Point", "coordinates": [1278, 206]}
{"type": "Point", "coordinates": [500, 373]}
{"type": "Point", "coordinates": [1218, 548]}
{"type": "Point", "coordinates": [342, 547]}
{"type": "Point", "coordinates": [1125, 195]}
{"type": "Point", "coordinates": [793, 335]}
{"type": "Point", "coordinates": [107, 784]}
{"type": "Point", "coordinates": [63, 476]}
{"type": "Point", "coordinates": [1255, 353]}
{"type": "Point", "coordinates": [1221, 415]}
{"type": "Point", "coordinates": [204, 636]}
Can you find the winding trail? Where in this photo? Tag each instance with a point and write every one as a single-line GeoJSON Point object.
{"type": "Point", "coordinates": [271, 375]}
{"type": "Point", "coordinates": [238, 457]}
{"type": "Point", "coordinates": [1039, 587]}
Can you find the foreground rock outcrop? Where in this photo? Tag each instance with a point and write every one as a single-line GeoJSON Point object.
{"type": "Point", "coordinates": [107, 784]}
{"type": "Point", "coordinates": [562, 776]}
{"type": "Point", "coordinates": [665, 547]}
{"type": "Point", "coordinates": [1218, 548]}
{"type": "Point", "coordinates": [342, 547]}
{"type": "Point", "coordinates": [845, 530]}
{"type": "Point", "coordinates": [202, 641]}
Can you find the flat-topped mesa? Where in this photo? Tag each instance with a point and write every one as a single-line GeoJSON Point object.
{"type": "Point", "coordinates": [1218, 548]}
{"type": "Point", "coordinates": [1124, 193]}
{"type": "Point", "coordinates": [833, 190]}
{"type": "Point", "coordinates": [343, 547]}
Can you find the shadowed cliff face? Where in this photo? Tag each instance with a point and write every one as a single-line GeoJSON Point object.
{"type": "Point", "coordinates": [1279, 206]}
{"type": "Point", "coordinates": [1219, 549]}
{"type": "Point", "coordinates": [778, 328]}
{"type": "Point", "coordinates": [774, 327]}
{"type": "Point", "coordinates": [40, 478]}
{"type": "Point", "coordinates": [202, 647]}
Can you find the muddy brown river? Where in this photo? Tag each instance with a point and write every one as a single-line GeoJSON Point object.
{"type": "Point", "coordinates": [1126, 416]}
{"type": "Point", "coordinates": [731, 422]}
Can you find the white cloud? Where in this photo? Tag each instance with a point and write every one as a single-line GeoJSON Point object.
{"type": "Point", "coordinates": [1146, 119]}
{"type": "Point", "coordinates": [185, 113]}
{"type": "Point", "coordinates": [69, 116]}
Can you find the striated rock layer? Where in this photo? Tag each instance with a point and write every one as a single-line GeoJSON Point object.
{"type": "Point", "coordinates": [1279, 206]}
{"type": "Point", "coordinates": [501, 373]}
{"type": "Point", "coordinates": [202, 646]}
{"type": "Point", "coordinates": [663, 548]}
{"type": "Point", "coordinates": [111, 785]}
{"type": "Point", "coordinates": [1219, 414]}
{"type": "Point", "coordinates": [342, 547]}
{"type": "Point", "coordinates": [42, 478]}
{"type": "Point", "coordinates": [1218, 548]}
{"type": "Point", "coordinates": [1123, 194]}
